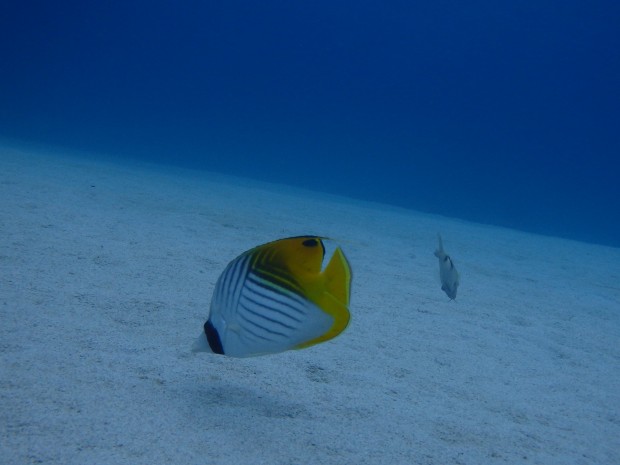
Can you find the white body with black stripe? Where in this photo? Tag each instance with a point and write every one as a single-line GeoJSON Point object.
{"type": "Point", "coordinates": [254, 316]}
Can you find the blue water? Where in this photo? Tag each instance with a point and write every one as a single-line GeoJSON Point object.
{"type": "Point", "coordinates": [500, 112]}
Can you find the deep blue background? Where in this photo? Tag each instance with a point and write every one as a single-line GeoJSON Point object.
{"type": "Point", "coordinates": [501, 112]}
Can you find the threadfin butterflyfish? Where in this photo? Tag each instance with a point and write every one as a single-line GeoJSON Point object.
{"type": "Point", "coordinates": [448, 275]}
{"type": "Point", "coordinates": [277, 297]}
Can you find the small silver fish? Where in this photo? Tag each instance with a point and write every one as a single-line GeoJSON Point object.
{"type": "Point", "coordinates": [447, 272]}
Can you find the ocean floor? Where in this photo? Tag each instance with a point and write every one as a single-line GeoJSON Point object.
{"type": "Point", "coordinates": [106, 274]}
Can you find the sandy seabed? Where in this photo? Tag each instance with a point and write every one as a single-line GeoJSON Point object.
{"type": "Point", "coordinates": [106, 273]}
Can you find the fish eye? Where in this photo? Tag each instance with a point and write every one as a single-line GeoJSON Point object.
{"type": "Point", "coordinates": [310, 243]}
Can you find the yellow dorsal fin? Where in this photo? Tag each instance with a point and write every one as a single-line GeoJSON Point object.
{"type": "Point", "coordinates": [300, 256]}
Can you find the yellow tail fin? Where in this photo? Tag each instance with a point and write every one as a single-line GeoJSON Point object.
{"type": "Point", "coordinates": [337, 277]}
{"type": "Point", "coordinates": [334, 300]}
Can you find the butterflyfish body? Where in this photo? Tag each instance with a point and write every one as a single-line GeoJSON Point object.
{"type": "Point", "coordinates": [276, 297]}
{"type": "Point", "coordinates": [448, 275]}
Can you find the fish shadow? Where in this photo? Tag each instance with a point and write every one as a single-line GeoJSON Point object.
{"type": "Point", "coordinates": [219, 402]}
